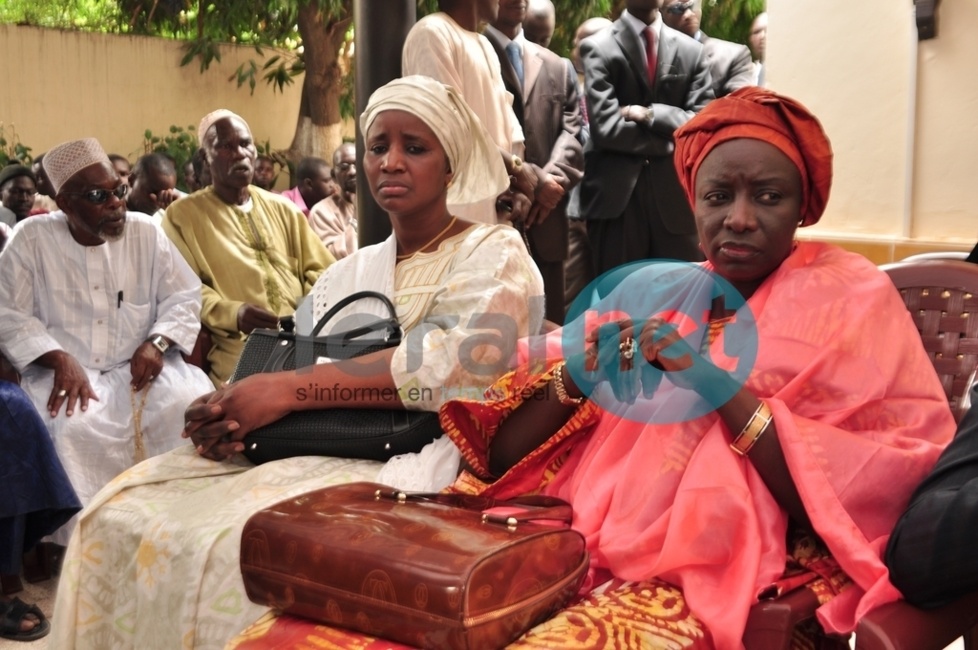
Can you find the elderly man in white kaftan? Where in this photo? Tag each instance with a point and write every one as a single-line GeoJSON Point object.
{"type": "Point", "coordinates": [95, 304]}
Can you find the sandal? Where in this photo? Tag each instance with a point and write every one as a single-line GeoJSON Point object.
{"type": "Point", "coordinates": [12, 614]}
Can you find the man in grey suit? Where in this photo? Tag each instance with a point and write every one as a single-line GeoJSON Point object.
{"type": "Point", "coordinates": [547, 104]}
{"type": "Point", "coordinates": [731, 66]}
{"type": "Point", "coordinates": [630, 195]}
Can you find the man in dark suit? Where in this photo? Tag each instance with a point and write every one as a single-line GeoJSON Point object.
{"type": "Point", "coordinates": [547, 105]}
{"type": "Point", "coordinates": [931, 553]}
{"type": "Point", "coordinates": [630, 195]}
{"type": "Point", "coordinates": [731, 66]}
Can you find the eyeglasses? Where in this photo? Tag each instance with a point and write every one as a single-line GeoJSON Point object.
{"type": "Point", "coordinates": [680, 8]}
{"type": "Point", "coordinates": [98, 197]}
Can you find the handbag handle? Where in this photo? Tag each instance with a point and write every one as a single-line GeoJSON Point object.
{"type": "Point", "coordinates": [353, 297]}
{"type": "Point", "coordinates": [540, 507]}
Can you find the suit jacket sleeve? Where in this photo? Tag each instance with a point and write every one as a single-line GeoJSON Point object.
{"type": "Point", "coordinates": [668, 117]}
{"type": "Point", "coordinates": [931, 553]}
{"type": "Point", "coordinates": [608, 130]}
{"type": "Point", "coordinates": [606, 74]}
{"type": "Point", "coordinates": [567, 157]}
{"type": "Point", "coordinates": [741, 72]}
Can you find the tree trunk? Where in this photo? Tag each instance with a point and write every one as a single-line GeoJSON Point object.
{"type": "Point", "coordinates": [318, 130]}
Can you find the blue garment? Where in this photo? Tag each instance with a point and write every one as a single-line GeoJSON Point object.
{"type": "Point", "coordinates": [516, 58]}
{"type": "Point", "coordinates": [37, 497]}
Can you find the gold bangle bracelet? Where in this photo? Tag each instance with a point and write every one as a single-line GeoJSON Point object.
{"type": "Point", "coordinates": [751, 433]}
{"type": "Point", "coordinates": [561, 389]}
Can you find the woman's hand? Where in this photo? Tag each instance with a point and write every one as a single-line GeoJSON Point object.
{"type": "Point", "coordinates": [203, 423]}
{"type": "Point", "coordinates": [632, 355]}
{"type": "Point", "coordinates": [663, 347]}
{"type": "Point", "coordinates": [218, 422]}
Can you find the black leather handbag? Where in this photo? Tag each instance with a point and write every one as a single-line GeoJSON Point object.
{"type": "Point", "coordinates": [371, 433]}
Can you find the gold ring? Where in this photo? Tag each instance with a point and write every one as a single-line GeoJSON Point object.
{"type": "Point", "coordinates": [62, 392]}
{"type": "Point", "coordinates": [627, 349]}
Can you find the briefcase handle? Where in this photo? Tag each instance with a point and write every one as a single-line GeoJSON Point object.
{"type": "Point", "coordinates": [518, 510]}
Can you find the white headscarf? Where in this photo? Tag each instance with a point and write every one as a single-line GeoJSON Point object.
{"type": "Point", "coordinates": [479, 172]}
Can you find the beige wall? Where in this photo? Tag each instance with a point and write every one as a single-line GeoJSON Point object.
{"type": "Point", "coordinates": [904, 167]}
{"type": "Point", "coordinates": [902, 115]}
{"type": "Point", "coordinates": [59, 85]}
{"type": "Point", "coordinates": [946, 167]}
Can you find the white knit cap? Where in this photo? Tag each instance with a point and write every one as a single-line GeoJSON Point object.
{"type": "Point", "coordinates": [479, 172]}
{"type": "Point", "coordinates": [215, 116]}
{"type": "Point", "coordinates": [69, 158]}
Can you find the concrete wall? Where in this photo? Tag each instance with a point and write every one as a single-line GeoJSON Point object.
{"type": "Point", "coordinates": [947, 128]}
{"type": "Point", "coordinates": [901, 116]}
{"type": "Point", "coordinates": [60, 85]}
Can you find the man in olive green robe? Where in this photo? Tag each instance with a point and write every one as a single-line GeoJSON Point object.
{"type": "Point", "coordinates": [254, 252]}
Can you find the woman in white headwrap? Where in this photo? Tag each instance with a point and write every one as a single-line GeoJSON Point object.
{"type": "Point", "coordinates": [158, 548]}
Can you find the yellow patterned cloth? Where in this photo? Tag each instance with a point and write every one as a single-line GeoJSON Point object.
{"type": "Point", "coordinates": [154, 560]}
{"type": "Point", "coordinates": [650, 615]}
{"type": "Point", "coordinates": [624, 616]}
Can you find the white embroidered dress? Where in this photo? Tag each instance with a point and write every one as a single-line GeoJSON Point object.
{"type": "Point", "coordinates": [154, 562]}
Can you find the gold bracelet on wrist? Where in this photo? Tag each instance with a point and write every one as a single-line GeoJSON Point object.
{"type": "Point", "coordinates": [561, 389]}
{"type": "Point", "coordinates": [751, 433]}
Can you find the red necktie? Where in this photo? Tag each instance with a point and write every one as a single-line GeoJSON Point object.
{"type": "Point", "coordinates": [650, 53]}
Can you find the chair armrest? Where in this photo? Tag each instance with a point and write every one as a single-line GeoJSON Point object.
{"type": "Point", "coordinates": [901, 626]}
{"type": "Point", "coordinates": [770, 622]}
{"type": "Point", "coordinates": [8, 372]}
{"type": "Point", "coordinates": [198, 356]}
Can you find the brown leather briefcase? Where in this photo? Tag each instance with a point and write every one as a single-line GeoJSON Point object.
{"type": "Point", "coordinates": [428, 570]}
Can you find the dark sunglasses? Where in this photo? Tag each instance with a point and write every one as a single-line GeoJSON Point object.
{"type": "Point", "coordinates": [679, 9]}
{"type": "Point", "coordinates": [98, 197]}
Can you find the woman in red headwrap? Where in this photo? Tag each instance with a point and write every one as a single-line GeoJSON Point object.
{"type": "Point", "coordinates": [698, 431]}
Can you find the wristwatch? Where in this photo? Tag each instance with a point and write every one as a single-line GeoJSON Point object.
{"type": "Point", "coordinates": [160, 343]}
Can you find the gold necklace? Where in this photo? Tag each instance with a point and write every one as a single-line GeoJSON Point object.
{"type": "Point", "coordinates": [451, 223]}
